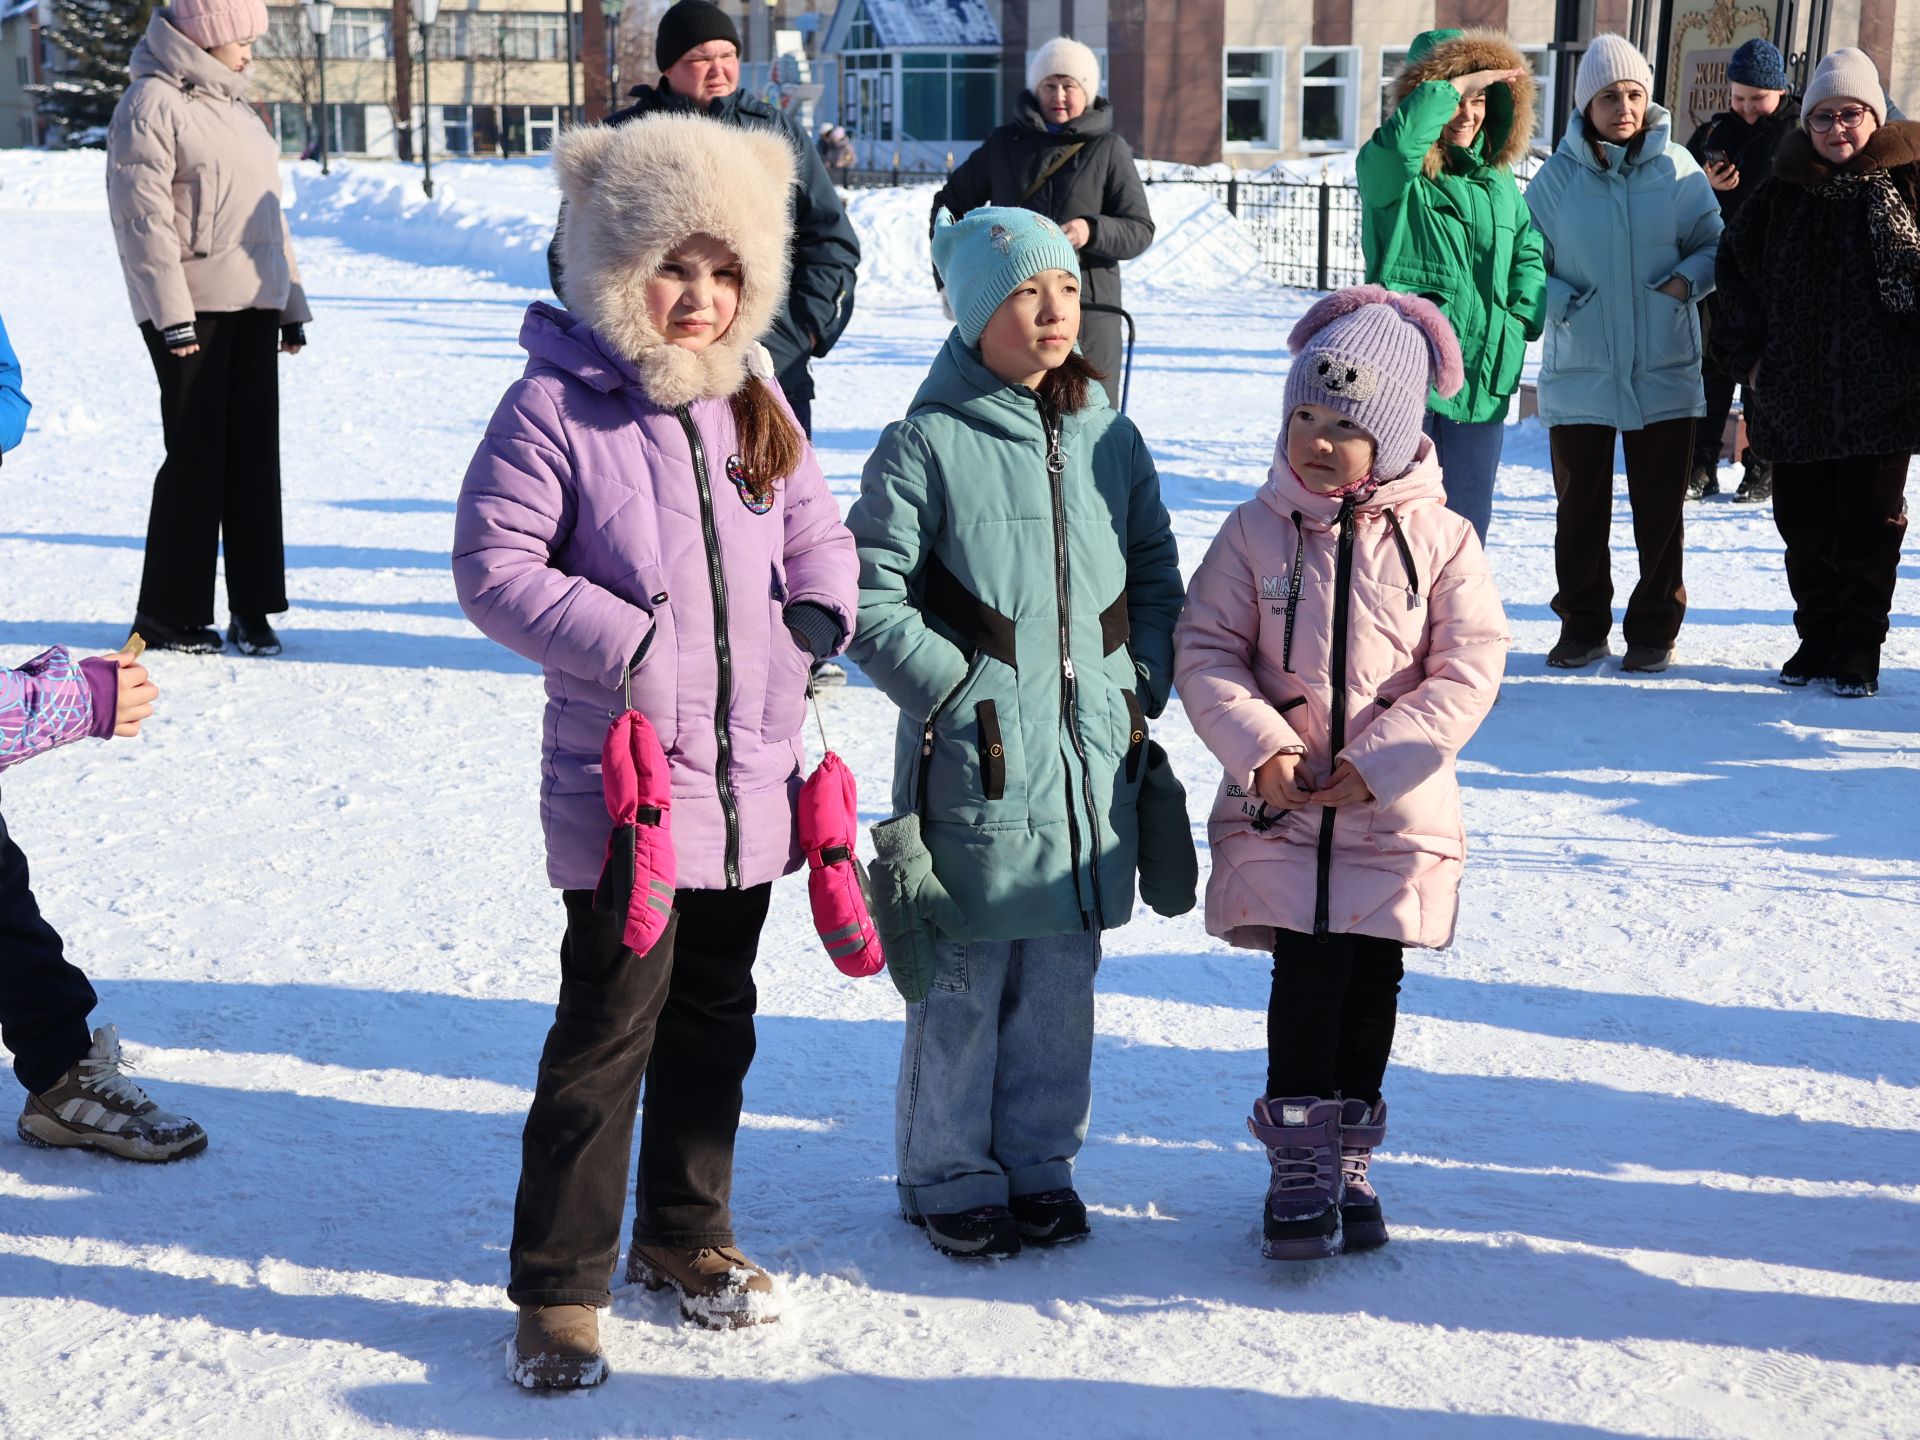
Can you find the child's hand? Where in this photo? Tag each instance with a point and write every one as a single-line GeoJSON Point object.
{"type": "Point", "coordinates": [137, 694]}
{"type": "Point", "coordinates": [1344, 787]}
{"type": "Point", "coordinates": [1279, 784]}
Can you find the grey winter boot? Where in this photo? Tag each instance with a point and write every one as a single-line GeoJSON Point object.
{"type": "Point", "coordinates": [1362, 1127]}
{"type": "Point", "coordinates": [1301, 1219]}
{"type": "Point", "coordinates": [557, 1347]}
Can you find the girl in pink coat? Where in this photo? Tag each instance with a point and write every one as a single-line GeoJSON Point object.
{"type": "Point", "coordinates": [1341, 641]}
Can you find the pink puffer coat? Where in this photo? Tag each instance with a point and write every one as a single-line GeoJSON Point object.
{"type": "Point", "coordinates": [1259, 671]}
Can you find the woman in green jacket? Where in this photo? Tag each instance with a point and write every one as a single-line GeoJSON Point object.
{"type": "Point", "coordinates": [1019, 584]}
{"type": "Point", "coordinates": [1443, 219]}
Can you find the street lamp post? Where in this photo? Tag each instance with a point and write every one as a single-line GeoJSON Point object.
{"type": "Point", "coordinates": [319, 22]}
{"type": "Point", "coordinates": [570, 61]}
{"type": "Point", "coordinates": [427, 11]}
{"type": "Point", "coordinates": [611, 9]}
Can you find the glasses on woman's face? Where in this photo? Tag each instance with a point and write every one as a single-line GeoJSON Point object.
{"type": "Point", "coordinates": [1848, 118]}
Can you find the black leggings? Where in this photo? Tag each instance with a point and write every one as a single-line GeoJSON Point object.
{"type": "Point", "coordinates": [1330, 1015]}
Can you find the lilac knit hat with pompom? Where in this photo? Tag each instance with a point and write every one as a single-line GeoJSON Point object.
{"type": "Point", "coordinates": [1372, 354]}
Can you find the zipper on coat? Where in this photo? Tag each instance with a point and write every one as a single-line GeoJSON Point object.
{"type": "Point", "coordinates": [1336, 705]}
{"type": "Point", "coordinates": [1293, 593]}
{"type": "Point", "coordinates": [1069, 683]}
{"type": "Point", "coordinates": [926, 736]}
{"type": "Point", "coordinates": [722, 649]}
{"type": "Point", "coordinates": [1406, 550]}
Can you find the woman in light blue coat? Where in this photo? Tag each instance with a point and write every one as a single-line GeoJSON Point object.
{"type": "Point", "coordinates": [1631, 227]}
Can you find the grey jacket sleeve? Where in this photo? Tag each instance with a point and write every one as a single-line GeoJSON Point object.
{"type": "Point", "coordinates": [1124, 227]}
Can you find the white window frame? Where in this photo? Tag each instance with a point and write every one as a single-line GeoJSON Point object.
{"type": "Point", "coordinates": [1389, 71]}
{"type": "Point", "coordinates": [1275, 83]}
{"type": "Point", "coordinates": [1349, 138]}
{"type": "Point", "coordinates": [1542, 137]}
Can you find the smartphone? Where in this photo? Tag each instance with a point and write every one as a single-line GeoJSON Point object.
{"type": "Point", "coordinates": [1714, 158]}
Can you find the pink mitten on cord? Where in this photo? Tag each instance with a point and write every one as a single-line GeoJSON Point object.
{"type": "Point", "coordinates": [836, 880]}
{"type": "Point", "coordinates": [639, 874]}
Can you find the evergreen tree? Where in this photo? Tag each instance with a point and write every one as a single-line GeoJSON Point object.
{"type": "Point", "coordinates": [93, 42]}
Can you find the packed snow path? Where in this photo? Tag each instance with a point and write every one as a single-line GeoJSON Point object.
{"type": "Point", "coordinates": [1653, 1167]}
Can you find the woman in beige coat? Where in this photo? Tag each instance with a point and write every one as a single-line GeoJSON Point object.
{"type": "Point", "coordinates": [193, 185]}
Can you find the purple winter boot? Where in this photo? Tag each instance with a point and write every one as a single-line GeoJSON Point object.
{"type": "Point", "coordinates": [1362, 1127]}
{"type": "Point", "coordinates": [1301, 1219]}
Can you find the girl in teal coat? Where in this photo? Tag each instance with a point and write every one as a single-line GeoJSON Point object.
{"type": "Point", "coordinates": [1443, 219]}
{"type": "Point", "coordinates": [1631, 226]}
{"type": "Point", "coordinates": [1019, 585]}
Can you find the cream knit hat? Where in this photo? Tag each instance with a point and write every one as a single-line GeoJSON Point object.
{"type": "Point", "coordinates": [1846, 74]}
{"type": "Point", "coordinates": [1062, 56]}
{"type": "Point", "coordinates": [1609, 59]}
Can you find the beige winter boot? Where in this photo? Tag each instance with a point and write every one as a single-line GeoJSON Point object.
{"type": "Point", "coordinates": [719, 1287]}
{"type": "Point", "coordinates": [557, 1347]}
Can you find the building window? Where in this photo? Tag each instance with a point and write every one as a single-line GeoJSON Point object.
{"type": "Point", "coordinates": [451, 37]}
{"type": "Point", "coordinates": [22, 70]}
{"type": "Point", "coordinates": [455, 129]}
{"type": "Point", "coordinates": [358, 35]}
{"type": "Point", "coordinates": [347, 129]}
{"type": "Point", "coordinates": [867, 94]}
{"type": "Point", "coordinates": [1250, 109]}
{"type": "Point", "coordinates": [543, 127]}
{"type": "Point", "coordinates": [1393, 59]}
{"type": "Point", "coordinates": [1540, 63]}
{"type": "Point", "coordinates": [1327, 95]}
{"type": "Point", "coordinates": [949, 96]}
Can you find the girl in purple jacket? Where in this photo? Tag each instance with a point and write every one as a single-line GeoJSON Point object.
{"type": "Point", "coordinates": [643, 501]}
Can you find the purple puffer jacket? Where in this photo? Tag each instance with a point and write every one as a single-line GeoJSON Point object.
{"type": "Point", "coordinates": [582, 540]}
{"type": "Point", "coordinates": [53, 700]}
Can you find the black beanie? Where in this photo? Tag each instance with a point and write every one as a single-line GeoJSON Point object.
{"type": "Point", "coordinates": [689, 24]}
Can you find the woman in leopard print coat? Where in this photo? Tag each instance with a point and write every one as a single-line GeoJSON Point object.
{"type": "Point", "coordinates": [1819, 307]}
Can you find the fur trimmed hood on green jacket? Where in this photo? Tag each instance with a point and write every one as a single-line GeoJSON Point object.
{"type": "Point", "coordinates": [1446, 54]}
{"type": "Point", "coordinates": [1022, 619]}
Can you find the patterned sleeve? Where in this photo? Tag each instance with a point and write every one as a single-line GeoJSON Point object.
{"type": "Point", "coordinates": [46, 703]}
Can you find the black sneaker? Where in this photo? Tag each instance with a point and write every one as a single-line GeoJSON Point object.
{"type": "Point", "coordinates": [1756, 486]}
{"type": "Point", "coordinates": [1808, 663]}
{"type": "Point", "coordinates": [1053, 1217]}
{"type": "Point", "coordinates": [1647, 659]}
{"type": "Point", "coordinates": [988, 1232]}
{"type": "Point", "coordinates": [252, 635]}
{"type": "Point", "coordinates": [1702, 482]}
{"type": "Point", "coordinates": [185, 639]}
{"type": "Point", "coordinates": [1577, 654]}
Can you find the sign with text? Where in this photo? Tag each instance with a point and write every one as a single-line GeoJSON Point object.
{"type": "Point", "coordinates": [1701, 37]}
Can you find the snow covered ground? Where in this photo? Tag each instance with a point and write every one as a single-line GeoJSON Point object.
{"type": "Point", "coordinates": [1654, 1167]}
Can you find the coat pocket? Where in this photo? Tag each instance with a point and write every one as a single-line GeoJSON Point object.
{"type": "Point", "coordinates": [993, 750]}
{"type": "Point", "coordinates": [1580, 341]}
{"type": "Point", "coordinates": [973, 767]}
{"type": "Point", "coordinates": [789, 666]}
{"type": "Point", "coordinates": [1672, 333]}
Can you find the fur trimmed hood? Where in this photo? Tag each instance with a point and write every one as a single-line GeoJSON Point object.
{"type": "Point", "coordinates": [1891, 147]}
{"type": "Point", "coordinates": [1508, 130]}
{"type": "Point", "coordinates": [636, 191]}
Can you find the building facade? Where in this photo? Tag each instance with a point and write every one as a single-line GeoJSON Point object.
{"type": "Point", "coordinates": [20, 63]}
{"type": "Point", "coordinates": [1248, 82]}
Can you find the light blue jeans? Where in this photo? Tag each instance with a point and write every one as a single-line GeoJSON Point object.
{"type": "Point", "coordinates": [1469, 458]}
{"type": "Point", "coordinates": [996, 1076]}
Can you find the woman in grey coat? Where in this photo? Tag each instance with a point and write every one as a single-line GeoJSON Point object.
{"type": "Point", "coordinates": [1061, 157]}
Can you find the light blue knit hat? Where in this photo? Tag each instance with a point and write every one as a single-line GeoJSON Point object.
{"type": "Point", "coordinates": [985, 256]}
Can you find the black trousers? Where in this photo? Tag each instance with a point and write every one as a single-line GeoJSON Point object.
{"type": "Point", "coordinates": [220, 413]}
{"type": "Point", "coordinates": [1331, 1013]}
{"type": "Point", "coordinates": [44, 999]}
{"type": "Point", "coordinates": [681, 1016]}
{"type": "Point", "coordinates": [1843, 521]}
{"type": "Point", "coordinates": [796, 383]}
{"type": "Point", "coordinates": [1658, 458]}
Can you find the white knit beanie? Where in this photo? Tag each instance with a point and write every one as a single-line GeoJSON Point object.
{"type": "Point", "coordinates": [1062, 56]}
{"type": "Point", "coordinates": [1846, 74]}
{"type": "Point", "coordinates": [1609, 59]}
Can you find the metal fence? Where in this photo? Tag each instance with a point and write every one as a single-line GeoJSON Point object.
{"type": "Point", "coordinates": [1308, 231]}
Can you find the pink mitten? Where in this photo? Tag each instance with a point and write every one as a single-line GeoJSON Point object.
{"type": "Point", "coordinates": [836, 880]}
{"type": "Point", "coordinates": [639, 874]}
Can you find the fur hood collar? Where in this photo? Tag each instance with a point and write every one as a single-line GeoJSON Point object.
{"type": "Point", "coordinates": [634, 192]}
{"type": "Point", "coordinates": [1508, 130]}
{"type": "Point", "coordinates": [1889, 148]}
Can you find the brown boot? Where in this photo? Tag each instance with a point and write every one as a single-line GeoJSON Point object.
{"type": "Point", "coordinates": [557, 1347]}
{"type": "Point", "coordinates": [719, 1287]}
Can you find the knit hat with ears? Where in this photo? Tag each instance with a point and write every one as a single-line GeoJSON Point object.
{"type": "Point", "coordinates": [634, 193]}
{"type": "Point", "coordinates": [1846, 74]}
{"type": "Point", "coordinates": [1062, 56]}
{"type": "Point", "coordinates": [208, 23]}
{"type": "Point", "coordinates": [1609, 59]}
{"type": "Point", "coordinates": [1371, 354]}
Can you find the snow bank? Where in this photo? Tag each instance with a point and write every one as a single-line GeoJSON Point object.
{"type": "Point", "coordinates": [496, 216]}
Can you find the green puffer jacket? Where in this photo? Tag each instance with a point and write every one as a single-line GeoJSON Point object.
{"type": "Point", "coordinates": [1448, 224]}
{"type": "Point", "coordinates": [1023, 623]}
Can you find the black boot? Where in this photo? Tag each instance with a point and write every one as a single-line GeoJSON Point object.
{"type": "Point", "coordinates": [252, 635]}
{"type": "Point", "coordinates": [1856, 672]}
{"type": "Point", "coordinates": [1703, 481]}
{"type": "Point", "coordinates": [987, 1233]}
{"type": "Point", "coordinates": [1808, 663]}
{"type": "Point", "coordinates": [1053, 1217]}
{"type": "Point", "coordinates": [188, 639]}
{"type": "Point", "coordinates": [1756, 485]}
